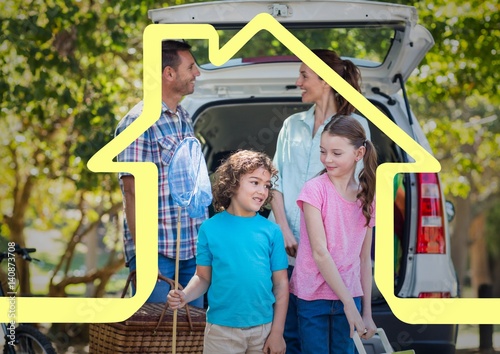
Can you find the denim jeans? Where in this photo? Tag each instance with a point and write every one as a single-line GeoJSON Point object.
{"type": "Point", "coordinates": [166, 267]}
{"type": "Point", "coordinates": [323, 327]}
{"type": "Point", "coordinates": [291, 332]}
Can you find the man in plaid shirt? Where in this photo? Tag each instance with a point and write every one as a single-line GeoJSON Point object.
{"type": "Point", "coordinates": [157, 144]}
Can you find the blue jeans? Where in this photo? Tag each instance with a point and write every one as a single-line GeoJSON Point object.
{"type": "Point", "coordinates": [323, 327]}
{"type": "Point", "coordinates": [166, 266]}
{"type": "Point", "coordinates": [291, 332]}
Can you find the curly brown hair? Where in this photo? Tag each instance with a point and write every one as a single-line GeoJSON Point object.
{"type": "Point", "coordinates": [228, 174]}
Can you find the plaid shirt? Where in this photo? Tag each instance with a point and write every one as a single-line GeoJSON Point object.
{"type": "Point", "coordinates": [157, 144]}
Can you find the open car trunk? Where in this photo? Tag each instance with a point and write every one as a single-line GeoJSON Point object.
{"type": "Point", "coordinates": [225, 126]}
{"type": "Point", "coordinates": [228, 125]}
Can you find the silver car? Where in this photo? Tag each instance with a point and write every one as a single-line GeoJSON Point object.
{"type": "Point", "coordinates": [243, 102]}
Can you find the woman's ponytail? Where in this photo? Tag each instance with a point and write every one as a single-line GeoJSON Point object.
{"type": "Point", "coordinates": [350, 73]}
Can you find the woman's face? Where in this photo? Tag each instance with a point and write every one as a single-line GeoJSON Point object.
{"type": "Point", "coordinates": [311, 85]}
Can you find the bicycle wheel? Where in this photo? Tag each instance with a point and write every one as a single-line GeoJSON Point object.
{"type": "Point", "coordinates": [29, 340]}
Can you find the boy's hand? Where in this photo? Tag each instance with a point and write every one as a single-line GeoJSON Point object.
{"type": "Point", "coordinates": [275, 344]}
{"type": "Point", "coordinates": [176, 299]}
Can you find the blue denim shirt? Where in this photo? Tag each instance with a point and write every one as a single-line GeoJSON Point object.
{"type": "Point", "coordinates": [297, 159]}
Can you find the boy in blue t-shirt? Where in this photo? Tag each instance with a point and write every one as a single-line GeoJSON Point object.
{"type": "Point", "coordinates": [241, 261]}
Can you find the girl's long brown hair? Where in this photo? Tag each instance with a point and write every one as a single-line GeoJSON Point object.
{"type": "Point", "coordinates": [349, 128]}
{"type": "Point", "coordinates": [227, 176]}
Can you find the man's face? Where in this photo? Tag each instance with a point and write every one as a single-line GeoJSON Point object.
{"type": "Point", "coordinates": [185, 74]}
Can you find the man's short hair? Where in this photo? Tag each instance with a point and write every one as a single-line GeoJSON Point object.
{"type": "Point", "coordinates": [169, 52]}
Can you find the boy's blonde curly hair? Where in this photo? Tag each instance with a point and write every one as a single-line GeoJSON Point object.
{"type": "Point", "coordinates": [228, 174]}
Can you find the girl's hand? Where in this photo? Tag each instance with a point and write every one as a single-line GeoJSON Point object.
{"type": "Point", "coordinates": [176, 299]}
{"type": "Point", "coordinates": [354, 318]}
{"type": "Point", "coordinates": [370, 326]}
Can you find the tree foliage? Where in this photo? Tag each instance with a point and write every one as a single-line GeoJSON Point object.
{"type": "Point", "coordinates": [455, 93]}
{"type": "Point", "coordinates": [69, 70]}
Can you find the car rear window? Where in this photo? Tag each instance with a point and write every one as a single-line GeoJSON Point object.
{"type": "Point", "coordinates": [369, 44]}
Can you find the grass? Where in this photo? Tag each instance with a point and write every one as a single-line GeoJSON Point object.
{"type": "Point", "coordinates": [468, 337]}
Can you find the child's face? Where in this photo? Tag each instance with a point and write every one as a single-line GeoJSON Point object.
{"type": "Point", "coordinates": [252, 193]}
{"type": "Point", "coordinates": [338, 155]}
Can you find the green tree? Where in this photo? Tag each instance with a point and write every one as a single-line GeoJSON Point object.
{"type": "Point", "coordinates": [456, 93]}
{"type": "Point", "coordinates": [69, 71]}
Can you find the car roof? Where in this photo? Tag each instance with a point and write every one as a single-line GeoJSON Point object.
{"type": "Point", "coordinates": [407, 48]}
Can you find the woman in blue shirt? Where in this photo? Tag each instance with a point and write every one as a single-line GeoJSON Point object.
{"type": "Point", "coordinates": [297, 157]}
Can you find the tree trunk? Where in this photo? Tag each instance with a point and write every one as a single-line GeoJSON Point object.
{"type": "Point", "coordinates": [480, 275]}
{"type": "Point", "coordinates": [16, 227]}
{"type": "Point", "coordinates": [496, 276]}
{"type": "Point", "coordinates": [91, 259]}
{"type": "Point", "coordinates": [485, 291]}
{"type": "Point", "coordinates": [460, 239]}
{"type": "Point", "coordinates": [107, 272]}
{"type": "Point", "coordinates": [16, 221]}
{"type": "Point", "coordinates": [480, 271]}
{"type": "Point", "coordinates": [103, 275]}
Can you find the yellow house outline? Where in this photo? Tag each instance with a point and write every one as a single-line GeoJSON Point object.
{"type": "Point", "coordinates": [92, 310]}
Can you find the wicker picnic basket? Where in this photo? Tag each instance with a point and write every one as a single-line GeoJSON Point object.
{"type": "Point", "coordinates": [149, 330]}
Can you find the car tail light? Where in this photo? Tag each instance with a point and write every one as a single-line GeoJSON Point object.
{"type": "Point", "coordinates": [430, 234]}
{"type": "Point", "coordinates": [440, 295]}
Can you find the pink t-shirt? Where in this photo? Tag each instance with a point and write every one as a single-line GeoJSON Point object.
{"type": "Point", "coordinates": [345, 230]}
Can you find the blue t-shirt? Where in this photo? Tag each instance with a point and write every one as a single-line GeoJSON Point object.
{"type": "Point", "coordinates": [243, 253]}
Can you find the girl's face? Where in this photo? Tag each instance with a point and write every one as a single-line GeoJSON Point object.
{"type": "Point", "coordinates": [252, 193]}
{"type": "Point", "coordinates": [339, 156]}
{"type": "Point", "coordinates": [311, 85]}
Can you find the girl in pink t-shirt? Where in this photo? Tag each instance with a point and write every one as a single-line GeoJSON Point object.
{"type": "Point", "coordinates": [333, 276]}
